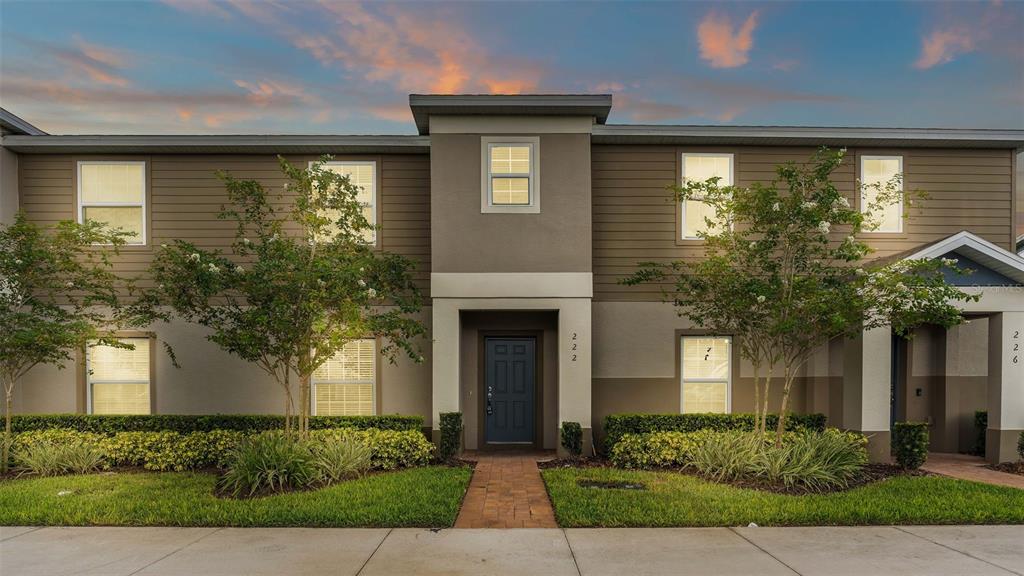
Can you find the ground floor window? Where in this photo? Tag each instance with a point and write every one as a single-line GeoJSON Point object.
{"type": "Point", "coordinates": [118, 379]}
{"type": "Point", "coordinates": [345, 385]}
{"type": "Point", "coordinates": [706, 373]}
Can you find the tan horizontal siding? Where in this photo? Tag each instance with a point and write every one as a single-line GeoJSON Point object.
{"type": "Point", "coordinates": [185, 196]}
{"type": "Point", "coordinates": [634, 219]}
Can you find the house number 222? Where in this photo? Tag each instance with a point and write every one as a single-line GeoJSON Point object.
{"type": "Point", "coordinates": [572, 347]}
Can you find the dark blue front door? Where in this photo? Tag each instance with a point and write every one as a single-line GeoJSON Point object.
{"type": "Point", "coordinates": [509, 381]}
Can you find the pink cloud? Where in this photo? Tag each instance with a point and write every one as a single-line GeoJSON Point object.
{"type": "Point", "coordinates": [720, 45]}
{"type": "Point", "coordinates": [941, 46]}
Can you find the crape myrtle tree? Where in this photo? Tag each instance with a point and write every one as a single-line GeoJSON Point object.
{"type": "Point", "coordinates": [785, 272]}
{"type": "Point", "coordinates": [299, 282]}
{"type": "Point", "coordinates": [58, 295]}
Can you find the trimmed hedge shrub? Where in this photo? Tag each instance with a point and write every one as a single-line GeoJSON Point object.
{"type": "Point", "coordinates": [1020, 445]}
{"type": "Point", "coordinates": [572, 438]}
{"type": "Point", "coordinates": [389, 449]}
{"type": "Point", "coordinates": [657, 449]}
{"type": "Point", "coordinates": [166, 450]}
{"type": "Point", "coordinates": [617, 425]}
{"type": "Point", "coordinates": [451, 435]}
{"type": "Point", "coordinates": [910, 444]}
{"type": "Point", "coordinates": [980, 425]}
{"type": "Point", "coordinates": [184, 423]}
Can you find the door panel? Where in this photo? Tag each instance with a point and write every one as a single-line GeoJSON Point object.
{"type": "Point", "coordinates": [510, 373]}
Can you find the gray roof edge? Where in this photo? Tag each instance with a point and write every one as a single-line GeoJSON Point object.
{"type": "Point", "coordinates": [1009, 138]}
{"type": "Point", "coordinates": [12, 122]}
{"type": "Point", "coordinates": [424, 105]}
{"type": "Point", "coordinates": [213, 143]}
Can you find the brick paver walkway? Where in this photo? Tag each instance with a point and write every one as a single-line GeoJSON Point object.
{"type": "Point", "coordinates": [506, 492]}
{"type": "Point", "coordinates": [966, 467]}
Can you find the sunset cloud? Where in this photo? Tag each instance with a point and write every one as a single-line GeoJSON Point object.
{"type": "Point", "coordinates": [721, 45]}
{"type": "Point", "coordinates": [941, 46]}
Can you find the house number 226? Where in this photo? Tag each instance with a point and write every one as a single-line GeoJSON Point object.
{"type": "Point", "coordinates": [572, 347]}
{"type": "Point", "coordinates": [1016, 346]}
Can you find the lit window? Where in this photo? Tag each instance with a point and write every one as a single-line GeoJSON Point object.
{"type": "Point", "coordinates": [118, 379]}
{"type": "Point", "coordinates": [363, 175]}
{"type": "Point", "coordinates": [706, 373]}
{"type": "Point", "coordinates": [699, 168]}
{"type": "Point", "coordinates": [114, 193]}
{"type": "Point", "coordinates": [344, 385]}
{"type": "Point", "coordinates": [877, 172]}
{"type": "Point", "coordinates": [510, 175]}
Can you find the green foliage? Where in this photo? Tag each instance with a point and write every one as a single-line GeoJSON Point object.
{"type": "Point", "coordinates": [674, 499]}
{"type": "Point", "coordinates": [784, 270]}
{"type": "Point", "coordinates": [657, 449]}
{"type": "Point", "coordinates": [270, 462]}
{"type": "Point", "coordinates": [172, 451]}
{"type": "Point", "coordinates": [342, 459]}
{"type": "Point", "coordinates": [617, 425]}
{"type": "Point", "coordinates": [184, 423]}
{"type": "Point", "coordinates": [451, 435]}
{"type": "Point", "coordinates": [910, 444]}
{"type": "Point", "coordinates": [389, 449]}
{"type": "Point", "coordinates": [296, 285]}
{"type": "Point", "coordinates": [427, 497]}
{"type": "Point", "coordinates": [814, 460]}
{"type": "Point", "coordinates": [980, 427]}
{"type": "Point", "coordinates": [52, 457]}
{"type": "Point", "coordinates": [572, 438]}
{"type": "Point", "coordinates": [58, 294]}
{"type": "Point", "coordinates": [1020, 445]}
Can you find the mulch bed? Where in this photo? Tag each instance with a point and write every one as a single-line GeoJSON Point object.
{"type": "Point", "coordinates": [869, 475]}
{"type": "Point", "coordinates": [1009, 467]}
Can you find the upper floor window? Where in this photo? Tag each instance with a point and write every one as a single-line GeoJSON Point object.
{"type": "Point", "coordinates": [118, 379]}
{"type": "Point", "coordinates": [876, 172]}
{"type": "Point", "coordinates": [706, 372]}
{"type": "Point", "coordinates": [345, 385]}
{"type": "Point", "coordinates": [510, 175]}
{"type": "Point", "coordinates": [114, 193]}
{"type": "Point", "coordinates": [700, 167]}
{"type": "Point", "coordinates": [363, 175]}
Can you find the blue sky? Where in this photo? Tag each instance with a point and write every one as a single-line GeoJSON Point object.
{"type": "Point", "coordinates": [202, 66]}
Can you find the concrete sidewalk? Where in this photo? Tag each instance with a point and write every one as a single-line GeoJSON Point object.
{"type": "Point", "coordinates": [875, 551]}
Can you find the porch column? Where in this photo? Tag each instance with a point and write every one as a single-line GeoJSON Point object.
{"type": "Point", "coordinates": [574, 368]}
{"type": "Point", "coordinates": [445, 363]}
{"type": "Point", "coordinates": [867, 381]}
{"type": "Point", "coordinates": [1005, 386]}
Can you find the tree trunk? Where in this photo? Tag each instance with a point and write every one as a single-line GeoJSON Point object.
{"type": "Point", "coordinates": [785, 405]}
{"type": "Point", "coordinates": [764, 398]}
{"type": "Point", "coordinates": [8, 438]}
{"type": "Point", "coordinates": [288, 404]}
{"type": "Point", "coordinates": [757, 398]}
{"type": "Point", "coordinates": [304, 399]}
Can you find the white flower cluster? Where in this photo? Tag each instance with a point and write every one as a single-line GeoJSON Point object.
{"type": "Point", "coordinates": [949, 262]}
{"type": "Point", "coordinates": [194, 257]}
{"type": "Point", "coordinates": [824, 227]}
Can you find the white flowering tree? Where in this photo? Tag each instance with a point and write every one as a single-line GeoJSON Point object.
{"type": "Point", "coordinates": [785, 272]}
{"type": "Point", "coordinates": [58, 294]}
{"type": "Point", "coordinates": [299, 282]}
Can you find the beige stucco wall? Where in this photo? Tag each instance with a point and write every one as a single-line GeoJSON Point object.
{"type": "Point", "coordinates": [557, 239]}
{"type": "Point", "coordinates": [211, 381]}
{"type": "Point", "coordinates": [8, 185]}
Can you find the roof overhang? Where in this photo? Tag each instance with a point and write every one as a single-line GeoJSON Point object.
{"type": "Point", "coordinates": [424, 106]}
{"type": "Point", "coordinates": [11, 124]}
{"type": "Point", "coordinates": [239, 144]}
{"type": "Point", "coordinates": [978, 249]}
{"type": "Point", "coordinates": [807, 136]}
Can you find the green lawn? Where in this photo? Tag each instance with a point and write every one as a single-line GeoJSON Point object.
{"type": "Point", "coordinates": [428, 497]}
{"type": "Point", "coordinates": [678, 500]}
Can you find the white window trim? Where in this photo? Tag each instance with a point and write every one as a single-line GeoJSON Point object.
{"type": "Point", "coordinates": [373, 384]}
{"type": "Point", "coordinates": [89, 382]}
{"type": "Point", "coordinates": [860, 193]}
{"type": "Point", "coordinates": [376, 185]}
{"type": "Point", "coordinates": [683, 379]}
{"type": "Point", "coordinates": [488, 142]}
{"type": "Point", "coordinates": [682, 178]}
{"type": "Point", "coordinates": [144, 241]}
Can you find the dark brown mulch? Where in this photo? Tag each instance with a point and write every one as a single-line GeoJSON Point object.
{"type": "Point", "coordinates": [1009, 467]}
{"type": "Point", "coordinates": [869, 475]}
{"type": "Point", "coordinates": [573, 463]}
